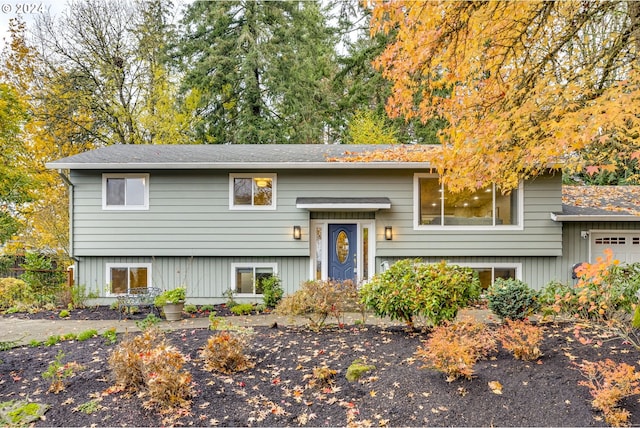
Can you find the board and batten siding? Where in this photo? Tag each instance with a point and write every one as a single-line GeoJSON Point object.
{"type": "Point", "coordinates": [189, 215]}
{"type": "Point", "coordinates": [206, 278]}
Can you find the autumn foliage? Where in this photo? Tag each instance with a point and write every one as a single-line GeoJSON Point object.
{"type": "Point", "coordinates": [520, 84]}
{"type": "Point", "coordinates": [609, 382]}
{"type": "Point", "coordinates": [455, 348]}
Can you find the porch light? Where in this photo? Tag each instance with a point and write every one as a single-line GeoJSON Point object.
{"type": "Point", "coordinates": [297, 232]}
{"type": "Point", "coordinates": [388, 233]}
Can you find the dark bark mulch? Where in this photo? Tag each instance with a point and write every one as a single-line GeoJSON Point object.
{"type": "Point", "coordinates": [106, 313]}
{"type": "Point", "coordinates": [277, 391]}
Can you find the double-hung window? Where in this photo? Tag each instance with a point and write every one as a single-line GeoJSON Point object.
{"type": "Point", "coordinates": [247, 277]}
{"type": "Point", "coordinates": [252, 191]}
{"type": "Point", "coordinates": [436, 206]}
{"type": "Point", "coordinates": [121, 278]}
{"type": "Point", "coordinates": [125, 191]}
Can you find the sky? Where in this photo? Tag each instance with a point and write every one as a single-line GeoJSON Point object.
{"type": "Point", "coordinates": [25, 9]}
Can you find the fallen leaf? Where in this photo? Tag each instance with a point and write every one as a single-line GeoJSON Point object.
{"type": "Point", "coordinates": [496, 387]}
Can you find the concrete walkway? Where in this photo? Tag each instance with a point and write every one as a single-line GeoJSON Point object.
{"type": "Point", "coordinates": [23, 331]}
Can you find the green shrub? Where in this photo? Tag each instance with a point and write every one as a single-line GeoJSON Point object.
{"type": "Point", "coordinates": [229, 293]}
{"type": "Point", "coordinates": [410, 287]}
{"type": "Point", "coordinates": [604, 291]}
{"type": "Point", "coordinates": [176, 295]}
{"type": "Point", "coordinates": [556, 297]}
{"type": "Point", "coordinates": [512, 299]}
{"type": "Point", "coordinates": [150, 321]}
{"type": "Point", "coordinates": [272, 291]}
{"type": "Point", "coordinates": [43, 280]}
{"type": "Point", "coordinates": [190, 309]}
{"type": "Point", "coordinates": [357, 369]}
{"type": "Point", "coordinates": [110, 336]}
{"type": "Point", "coordinates": [14, 292]}
{"type": "Point", "coordinates": [207, 308]}
{"type": "Point", "coordinates": [242, 309]}
{"type": "Point", "coordinates": [87, 334]}
{"type": "Point", "coordinates": [64, 314]}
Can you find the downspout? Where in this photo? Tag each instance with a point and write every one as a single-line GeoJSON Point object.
{"type": "Point", "coordinates": [69, 184]}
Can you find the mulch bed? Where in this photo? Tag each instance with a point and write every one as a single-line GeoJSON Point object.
{"type": "Point", "coordinates": [106, 313]}
{"type": "Point", "coordinates": [277, 391]}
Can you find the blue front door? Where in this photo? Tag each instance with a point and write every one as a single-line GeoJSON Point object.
{"type": "Point", "coordinates": [343, 246]}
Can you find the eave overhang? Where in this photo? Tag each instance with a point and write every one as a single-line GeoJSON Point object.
{"type": "Point", "coordinates": [122, 166]}
{"type": "Point", "coordinates": [558, 217]}
{"type": "Point", "coordinates": [343, 204]}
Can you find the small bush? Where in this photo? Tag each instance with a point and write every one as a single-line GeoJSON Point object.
{"type": "Point", "coordinates": [87, 334]}
{"type": "Point", "coordinates": [190, 309]}
{"type": "Point", "coordinates": [522, 339]}
{"type": "Point", "coordinates": [14, 292]}
{"type": "Point", "coordinates": [150, 321]}
{"type": "Point", "coordinates": [168, 385]}
{"type": "Point", "coordinates": [126, 362]}
{"type": "Point", "coordinates": [511, 299]}
{"type": "Point", "coordinates": [610, 382]}
{"type": "Point", "coordinates": [64, 314]}
{"type": "Point", "coordinates": [272, 291]}
{"type": "Point", "coordinates": [229, 293]}
{"type": "Point", "coordinates": [454, 349]}
{"type": "Point", "coordinates": [57, 373]}
{"type": "Point", "coordinates": [322, 377]}
{"type": "Point", "coordinates": [357, 369]}
{"type": "Point", "coordinates": [207, 308]}
{"type": "Point", "coordinates": [224, 353]}
{"type": "Point", "coordinates": [410, 288]}
{"type": "Point", "coordinates": [604, 290]}
{"type": "Point", "coordinates": [317, 300]}
{"type": "Point", "coordinates": [53, 340]}
{"type": "Point", "coordinates": [242, 309]}
{"type": "Point", "coordinates": [110, 336]}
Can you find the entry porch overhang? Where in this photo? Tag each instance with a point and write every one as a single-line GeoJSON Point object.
{"type": "Point", "coordinates": [343, 204]}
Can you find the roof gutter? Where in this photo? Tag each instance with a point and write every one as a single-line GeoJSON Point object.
{"type": "Point", "coordinates": [238, 165]}
{"type": "Point", "coordinates": [598, 217]}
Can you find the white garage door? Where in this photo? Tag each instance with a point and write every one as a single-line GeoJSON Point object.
{"type": "Point", "coordinates": [625, 245]}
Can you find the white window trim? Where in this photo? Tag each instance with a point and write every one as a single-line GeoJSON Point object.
{"type": "Point", "coordinates": [125, 207]}
{"type": "Point", "coordinates": [373, 238]}
{"type": "Point", "coordinates": [416, 210]}
{"type": "Point", "coordinates": [234, 266]}
{"type": "Point", "coordinates": [252, 207]}
{"type": "Point", "coordinates": [493, 266]}
{"type": "Point", "coordinates": [110, 266]}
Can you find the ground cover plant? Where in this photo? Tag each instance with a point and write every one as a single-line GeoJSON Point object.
{"type": "Point", "coordinates": [294, 376]}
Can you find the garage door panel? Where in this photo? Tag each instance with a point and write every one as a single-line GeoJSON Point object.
{"type": "Point", "coordinates": [625, 245]}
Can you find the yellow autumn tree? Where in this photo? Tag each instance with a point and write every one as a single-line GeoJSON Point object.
{"type": "Point", "coordinates": [520, 84]}
{"type": "Point", "coordinates": [49, 133]}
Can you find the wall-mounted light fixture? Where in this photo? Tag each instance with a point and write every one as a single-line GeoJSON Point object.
{"type": "Point", "coordinates": [584, 234]}
{"type": "Point", "coordinates": [388, 233]}
{"type": "Point", "coordinates": [297, 232]}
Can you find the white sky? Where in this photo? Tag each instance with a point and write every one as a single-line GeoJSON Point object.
{"type": "Point", "coordinates": [27, 10]}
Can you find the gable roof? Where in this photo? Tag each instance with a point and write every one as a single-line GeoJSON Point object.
{"type": "Point", "coordinates": [223, 156]}
{"type": "Point", "coordinates": [599, 203]}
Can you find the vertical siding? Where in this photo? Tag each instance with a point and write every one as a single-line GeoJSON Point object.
{"type": "Point", "coordinates": [206, 278]}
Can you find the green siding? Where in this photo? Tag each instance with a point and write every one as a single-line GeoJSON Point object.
{"type": "Point", "coordinates": [206, 278]}
{"type": "Point", "coordinates": [189, 216]}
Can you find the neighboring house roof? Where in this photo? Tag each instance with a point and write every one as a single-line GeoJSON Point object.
{"type": "Point", "coordinates": [599, 203]}
{"type": "Point", "coordinates": [223, 156]}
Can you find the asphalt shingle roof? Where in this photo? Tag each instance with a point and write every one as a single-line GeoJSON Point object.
{"type": "Point", "coordinates": [204, 155]}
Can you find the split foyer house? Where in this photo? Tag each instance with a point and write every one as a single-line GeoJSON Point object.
{"type": "Point", "coordinates": [220, 217]}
